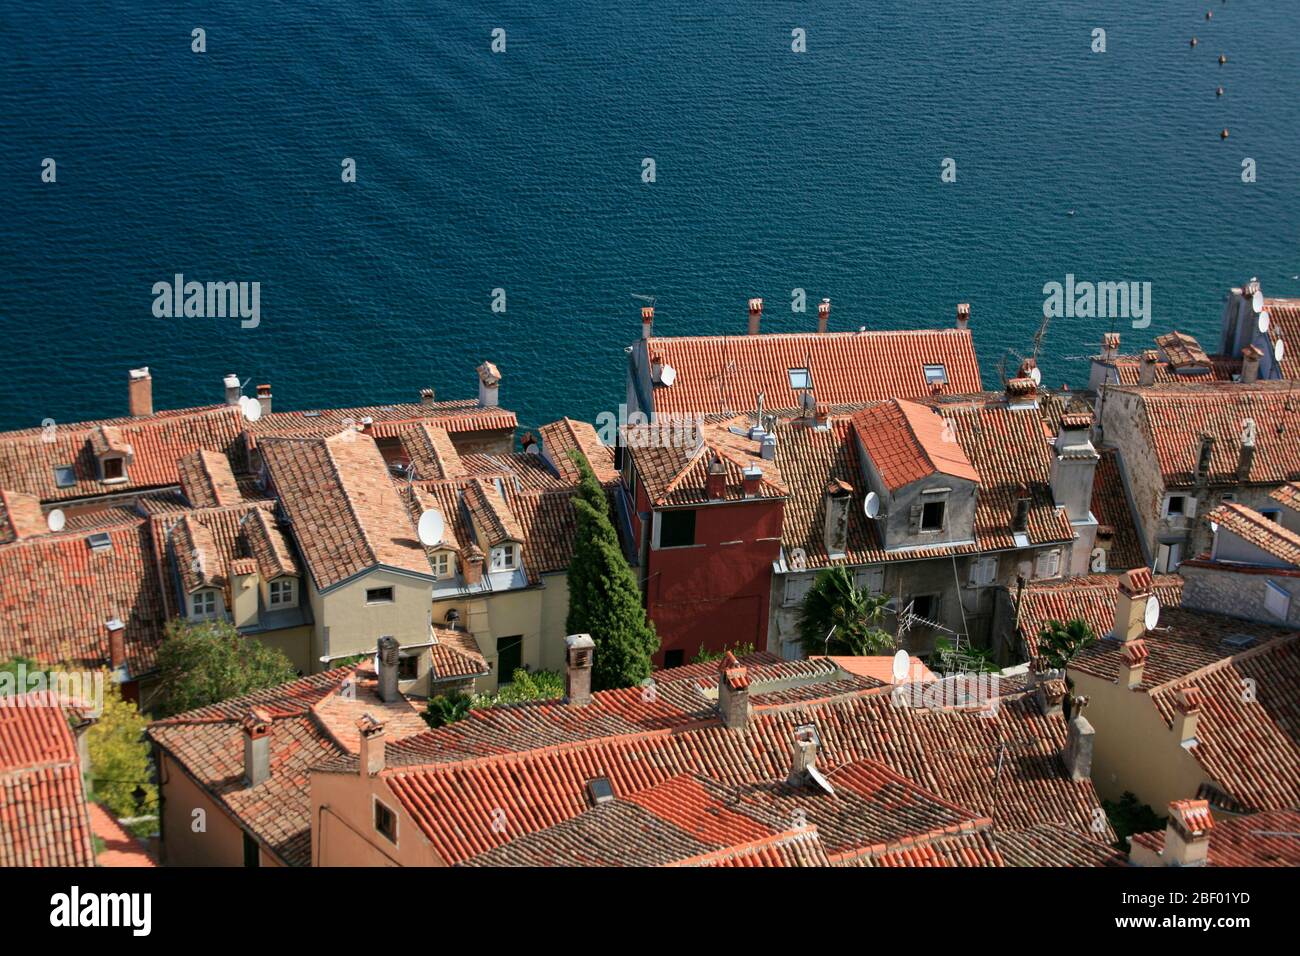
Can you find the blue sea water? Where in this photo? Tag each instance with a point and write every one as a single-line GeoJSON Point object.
{"type": "Point", "coordinates": [522, 171]}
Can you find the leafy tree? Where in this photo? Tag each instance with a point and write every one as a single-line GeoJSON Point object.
{"type": "Point", "coordinates": [834, 601]}
{"type": "Point", "coordinates": [1058, 643]}
{"type": "Point", "coordinates": [605, 602]}
{"type": "Point", "coordinates": [589, 486]}
{"type": "Point", "coordinates": [739, 649]}
{"type": "Point", "coordinates": [527, 685]}
{"type": "Point", "coordinates": [1127, 817]}
{"type": "Point", "coordinates": [121, 766]}
{"type": "Point", "coordinates": [201, 664]}
{"type": "Point", "coordinates": [446, 709]}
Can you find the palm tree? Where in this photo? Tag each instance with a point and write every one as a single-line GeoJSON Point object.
{"type": "Point", "coordinates": [838, 617]}
{"type": "Point", "coordinates": [1058, 643]}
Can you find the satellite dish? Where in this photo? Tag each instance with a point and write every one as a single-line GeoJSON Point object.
{"type": "Point", "coordinates": [817, 777]}
{"type": "Point", "coordinates": [1279, 349]}
{"type": "Point", "coordinates": [533, 449]}
{"type": "Point", "coordinates": [431, 529]}
{"type": "Point", "coordinates": [1262, 322]}
{"type": "Point", "coordinates": [871, 504]}
{"type": "Point", "coordinates": [1152, 617]}
{"type": "Point", "coordinates": [1257, 301]}
{"type": "Point", "coordinates": [1214, 527]}
{"type": "Point", "coordinates": [668, 375]}
{"type": "Point", "coordinates": [55, 520]}
{"type": "Point", "coordinates": [251, 408]}
{"type": "Point", "coordinates": [902, 663]}
{"type": "Point", "coordinates": [1037, 375]}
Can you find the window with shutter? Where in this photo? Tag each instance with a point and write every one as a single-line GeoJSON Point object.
{"type": "Point", "coordinates": [914, 518]}
{"type": "Point", "coordinates": [1277, 602]}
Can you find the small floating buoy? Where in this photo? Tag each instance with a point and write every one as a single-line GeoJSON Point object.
{"type": "Point", "coordinates": [1222, 59]}
{"type": "Point", "coordinates": [1224, 134]}
{"type": "Point", "coordinates": [1209, 14]}
{"type": "Point", "coordinates": [1219, 91]}
{"type": "Point", "coordinates": [1194, 41]}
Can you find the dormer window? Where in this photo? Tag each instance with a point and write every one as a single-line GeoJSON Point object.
{"type": "Point", "coordinates": [935, 375]}
{"type": "Point", "coordinates": [505, 558]}
{"type": "Point", "coordinates": [112, 469]}
{"type": "Point", "coordinates": [283, 592]}
{"type": "Point", "coordinates": [444, 566]}
{"type": "Point", "coordinates": [800, 378]}
{"type": "Point", "coordinates": [203, 605]}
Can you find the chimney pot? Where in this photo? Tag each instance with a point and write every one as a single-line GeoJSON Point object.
{"type": "Point", "coordinates": [489, 382]}
{"type": "Point", "coordinates": [1147, 370]}
{"type": "Point", "coordinates": [426, 397]}
{"type": "Point", "coordinates": [755, 315]}
{"type": "Point", "coordinates": [256, 726]}
{"type": "Point", "coordinates": [116, 643]}
{"type": "Point", "coordinates": [471, 565]}
{"type": "Point", "coordinates": [1134, 659]}
{"type": "Point", "coordinates": [1187, 835]}
{"type": "Point", "coordinates": [140, 393]}
{"type": "Point", "coordinates": [371, 738]}
{"type": "Point", "coordinates": [1188, 706]}
{"type": "Point", "coordinates": [963, 315]}
{"type": "Point", "coordinates": [389, 652]}
{"type": "Point", "coordinates": [803, 754]}
{"type": "Point", "coordinates": [1078, 748]}
{"type": "Point", "coordinates": [579, 651]}
{"type": "Point", "coordinates": [233, 390]}
{"type": "Point", "coordinates": [1205, 457]}
{"type": "Point", "coordinates": [647, 320]}
{"type": "Point", "coordinates": [752, 478]}
{"type": "Point", "coordinates": [264, 398]}
{"type": "Point", "coordinates": [1250, 357]}
{"type": "Point", "coordinates": [1021, 522]}
{"type": "Point", "coordinates": [1131, 605]}
{"type": "Point", "coordinates": [1110, 345]}
{"type": "Point", "coordinates": [717, 479]}
{"type": "Point", "coordinates": [823, 316]}
{"type": "Point", "coordinates": [733, 692]}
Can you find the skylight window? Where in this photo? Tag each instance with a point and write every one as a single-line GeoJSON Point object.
{"type": "Point", "coordinates": [99, 542]}
{"type": "Point", "coordinates": [936, 375]}
{"type": "Point", "coordinates": [64, 476]}
{"type": "Point", "coordinates": [800, 378]}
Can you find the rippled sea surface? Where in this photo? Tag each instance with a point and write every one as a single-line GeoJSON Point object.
{"type": "Point", "coordinates": [522, 171]}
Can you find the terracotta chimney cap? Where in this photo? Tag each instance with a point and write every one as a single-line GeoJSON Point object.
{"type": "Point", "coordinates": [1021, 386]}
{"type": "Point", "coordinates": [1077, 420]}
{"type": "Point", "coordinates": [368, 725]}
{"type": "Point", "coordinates": [735, 676]}
{"type": "Point", "coordinates": [1252, 352]}
{"type": "Point", "coordinates": [1189, 700]}
{"type": "Point", "coordinates": [1136, 582]}
{"type": "Point", "coordinates": [257, 722]}
{"type": "Point", "coordinates": [1136, 653]}
{"type": "Point", "coordinates": [755, 305]}
{"type": "Point", "coordinates": [1192, 818]}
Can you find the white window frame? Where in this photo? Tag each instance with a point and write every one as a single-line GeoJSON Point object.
{"type": "Point", "coordinates": [58, 476]}
{"type": "Point", "coordinates": [1053, 557]}
{"type": "Point", "coordinates": [443, 567]}
{"type": "Point", "coordinates": [805, 374]}
{"type": "Point", "coordinates": [276, 590]}
{"type": "Point", "coordinates": [204, 605]}
{"type": "Point", "coordinates": [941, 379]}
{"type": "Point", "coordinates": [505, 558]}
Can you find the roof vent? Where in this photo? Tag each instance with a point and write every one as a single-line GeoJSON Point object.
{"type": "Point", "coordinates": [100, 541]}
{"type": "Point", "coordinates": [1238, 641]}
{"type": "Point", "coordinates": [600, 791]}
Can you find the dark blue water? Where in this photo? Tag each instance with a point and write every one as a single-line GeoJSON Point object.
{"type": "Point", "coordinates": [522, 171]}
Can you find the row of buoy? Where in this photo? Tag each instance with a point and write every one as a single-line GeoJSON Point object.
{"type": "Point", "coordinates": [1223, 59]}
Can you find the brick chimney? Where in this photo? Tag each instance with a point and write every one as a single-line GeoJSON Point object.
{"type": "Point", "coordinates": [755, 315]}
{"type": "Point", "coordinates": [140, 392]}
{"type": "Point", "coordinates": [233, 390]}
{"type": "Point", "coordinates": [1131, 605]}
{"type": "Point", "coordinates": [822, 415]}
{"type": "Point", "coordinates": [1250, 358]}
{"type": "Point", "coordinates": [716, 482]}
{"type": "Point", "coordinates": [1147, 370]}
{"type": "Point", "coordinates": [803, 755]}
{"type": "Point", "coordinates": [838, 497]}
{"type": "Point", "coordinates": [371, 739]}
{"type": "Point", "coordinates": [1110, 346]}
{"type": "Point", "coordinates": [389, 653]}
{"type": "Point", "coordinates": [579, 653]}
{"type": "Point", "coordinates": [963, 316]}
{"type": "Point", "coordinates": [116, 643]}
{"type": "Point", "coordinates": [244, 586]}
{"type": "Point", "coordinates": [1188, 707]}
{"type": "Point", "coordinates": [752, 478]}
{"type": "Point", "coordinates": [1245, 456]}
{"type": "Point", "coordinates": [823, 316]}
{"type": "Point", "coordinates": [1020, 522]}
{"type": "Point", "coordinates": [647, 321]}
{"type": "Point", "coordinates": [1078, 747]}
{"type": "Point", "coordinates": [1022, 391]}
{"type": "Point", "coordinates": [1133, 660]}
{"type": "Point", "coordinates": [489, 381]}
{"type": "Point", "coordinates": [733, 692]}
{"type": "Point", "coordinates": [264, 399]}
{"type": "Point", "coordinates": [426, 397]}
{"type": "Point", "coordinates": [1187, 835]}
{"type": "Point", "coordinates": [471, 564]}
{"type": "Point", "coordinates": [1050, 692]}
{"type": "Point", "coordinates": [256, 726]}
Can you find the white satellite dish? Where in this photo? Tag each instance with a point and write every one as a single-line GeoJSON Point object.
{"type": "Point", "coordinates": [871, 504]}
{"type": "Point", "coordinates": [1037, 375]}
{"type": "Point", "coordinates": [251, 408]}
{"type": "Point", "coordinates": [55, 520]}
{"type": "Point", "coordinates": [1279, 350]}
{"type": "Point", "coordinates": [902, 664]}
{"type": "Point", "coordinates": [820, 780]}
{"type": "Point", "coordinates": [1152, 617]}
{"type": "Point", "coordinates": [431, 529]}
{"type": "Point", "coordinates": [1257, 301]}
{"type": "Point", "coordinates": [668, 375]}
{"type": "Point", "coordinates": [1262, 322]}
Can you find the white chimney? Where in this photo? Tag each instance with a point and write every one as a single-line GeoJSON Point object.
{"type": "Point", "coordinates": [256, 726]}
{"type": "Point", "coordinates": [232, 389]}
{"type": "Point", "coordinates": [579, 652]}
{"type": "Point", "coordinates": [489, 381]}
{"type": "Point", "coordinates": [823, 316]}
{"type": "Point", "coordinates": [371, 738]}
{"type": "Point", "coordinates": [389, 654]}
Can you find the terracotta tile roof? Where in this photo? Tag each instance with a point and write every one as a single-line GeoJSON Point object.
{"type": "Point", "coordinates": [430, 450]}
{"type": "Point", "coordinates": [491, 515]}
{"type": "Point", "coordinates": [881, 668]}
{"type": "Point", "coordinates": [907, 442]}
{"type": "Point", "coordinates": [198, 561]}
{"type": "Point", "coordinates": [955, 755]}
{"type": "Point", "coordinates": [455, 655]}
{"type": "Point", "coordinates": [387, 421]}
{"type": "Point", "coordinates": [1050, 844]}
{"type": "Point", "coordinates": [1288, 495]}
{"type": "Point", "coordinates": [157, 443]}
{"type": "Point", "coordinates": [516, 470]}
{"type": "Point", "coordinates": [1247, 743]}
{"type": "Point", "coordinates": [312, 719]}
{"type": "Point", "coordinates": [120, 848]}
{"type": "Point", "coordinates": [1257, 839]}
{"type": "Point", "coordinates": [1092, 598]}
{"type": "Point", "coordinates": [549, 527]}
{"type": "Point", "coordinates": [1172, 419]}
{"type": "Point", "coordinates": [566, 435]}
{"type": "Point", "coordinates": [207, 479]}
{"type": "Point", "coordinates": [1284, 324]}
{"type": "Point", "coordinates": [20, 516]}
{"type": "Point", "coordinates": [267, 544]}
{"type": "Point", "coordinates": [57, 595]}
{"type": "Point", "coordinates": [1220, 368]}
{"type": "Point", "coordinates": [724, 373]}
{"type": "Point", "coordinates": [1183, 642]}
{"type": "Point", "coordinates": [1114, 517]}
{"type": "Point", "coordinates": [1182, 350]}
{"type": "Point", "coordinates": [43, 817]}
{"type": "Point", "coordinates": [1253, 528]}
{"type": "Point", "coordinates": [345, 513]}
{"type": "Point", "coordinates": [676, 472]}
